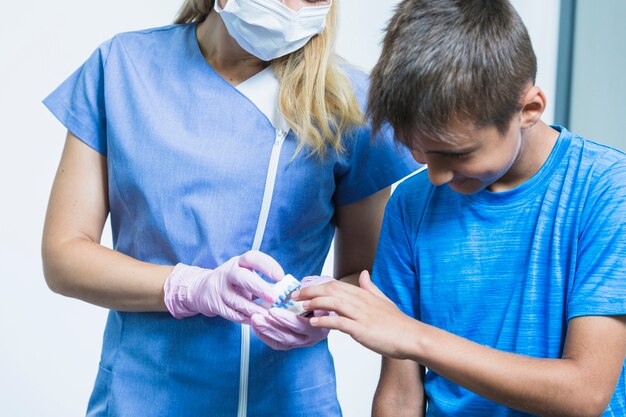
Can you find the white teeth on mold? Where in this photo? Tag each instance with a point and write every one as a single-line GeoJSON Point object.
{"type": "Point", "coordinates": [282, 293]}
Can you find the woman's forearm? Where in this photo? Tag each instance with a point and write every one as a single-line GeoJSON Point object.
{"type": "Point", "coordinates": [83, 269]}
{"type": "Point", "coordinates": [74, 262]}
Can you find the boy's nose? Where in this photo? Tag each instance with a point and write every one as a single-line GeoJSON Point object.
{"type": "Point", "coordinates": [439, 175]}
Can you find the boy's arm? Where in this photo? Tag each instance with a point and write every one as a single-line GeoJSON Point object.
{"type": "Point", "coordinates": [400, 391]}
{"type": "Point", "coordinates": [581, 383]}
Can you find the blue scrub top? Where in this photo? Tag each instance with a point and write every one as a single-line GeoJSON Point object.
{"type": "Point", "coordinates": [187, 156]}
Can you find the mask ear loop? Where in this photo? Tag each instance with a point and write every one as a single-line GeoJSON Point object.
{"type": "Point", "coordinates": [314, 11]}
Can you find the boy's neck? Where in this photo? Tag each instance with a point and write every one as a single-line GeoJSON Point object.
{"type": "Point", "coordinates": [537, 144]}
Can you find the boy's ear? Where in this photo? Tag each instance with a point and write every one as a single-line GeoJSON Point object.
{"type": "Point", "coordinates": [533, 104]}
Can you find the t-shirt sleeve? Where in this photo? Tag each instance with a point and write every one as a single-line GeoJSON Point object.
{"type": "Point", "coordinates": [79, 102]}
{"type": "Point", "coordinates": [600, 280]}
{"type": "Point", "coordinates": [371, 164]}
{"type": "Point", "coordinates": [394, 267]}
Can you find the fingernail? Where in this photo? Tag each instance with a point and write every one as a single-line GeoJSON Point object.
{"type": "Point", "coordinates": [306, 305]}
{"type": "Point", "coordinates": [313, 321]}
{"type": "Point", "coordinates": [295, 294]}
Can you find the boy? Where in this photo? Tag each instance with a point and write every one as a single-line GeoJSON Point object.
{"type": "Point", "coordinates": [509, 267]}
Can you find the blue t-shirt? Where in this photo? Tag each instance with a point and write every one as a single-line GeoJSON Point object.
{"type": "Point", "coordinates": [508, 270]}
{"type": "Point", "coordinates": [187, 159]}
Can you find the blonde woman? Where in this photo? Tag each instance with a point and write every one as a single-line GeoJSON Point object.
{"type": "Point", "coordinates": [227, 148]}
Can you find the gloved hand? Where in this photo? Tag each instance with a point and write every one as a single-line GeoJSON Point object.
{"type": "Point", "coordinates": [283, 330]}
{"type": "Point", "coordinates": [227, 291]}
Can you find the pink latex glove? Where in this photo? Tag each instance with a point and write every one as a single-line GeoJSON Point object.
{"type": "Point", "coordinates": [227, 291]}
{"type": "Point", "coordinates": [283, 330]}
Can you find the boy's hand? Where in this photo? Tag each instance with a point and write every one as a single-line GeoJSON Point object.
{"type": "Point", "coordinates": [364, 313]}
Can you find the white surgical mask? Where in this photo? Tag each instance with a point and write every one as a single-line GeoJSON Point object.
{"type": "Point", "coordinates": [268, 29]}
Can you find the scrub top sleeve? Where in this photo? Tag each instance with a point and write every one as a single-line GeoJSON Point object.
{"type": "Point", "coordinates": [598, 287]}
{"type": "Point", "coordinates": [79, 102]}
{"type": "Point", "coordinates": [372, 164]}
{"type": "Point", "coordinates": [394, 267]}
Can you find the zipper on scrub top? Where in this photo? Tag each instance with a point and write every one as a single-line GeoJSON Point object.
{"type": "Point", "coordinates": [256, 245]}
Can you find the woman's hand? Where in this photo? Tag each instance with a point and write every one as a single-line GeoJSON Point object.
{"type": "Point", "coordinates": [283, 330]}
{"type": "Point", "coordinates": [228, 291]}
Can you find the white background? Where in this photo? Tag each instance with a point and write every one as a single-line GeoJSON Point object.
{"type": "Point", "coordinates": [598, 107]}
{"type": "Point", "coordinates": [50, 345]}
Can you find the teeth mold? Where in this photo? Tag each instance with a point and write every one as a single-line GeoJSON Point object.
{"type": "Point", "coordinates": [282, 296]}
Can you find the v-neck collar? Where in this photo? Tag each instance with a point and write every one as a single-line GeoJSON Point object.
{"type": "Point", "coordinates": [261, 89]}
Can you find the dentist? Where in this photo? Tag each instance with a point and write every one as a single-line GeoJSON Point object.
{"type": "Point", "coordinates": [228, 149]}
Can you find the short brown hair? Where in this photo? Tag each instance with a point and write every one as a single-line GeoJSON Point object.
{"type": "Point", "coordinates": [450, 60]}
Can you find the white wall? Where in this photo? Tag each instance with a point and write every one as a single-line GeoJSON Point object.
{"type": "Point", "coordinates": [49, 345]}
{"type": "Point", "coordinates": [598, 107]}
{"type": "Point", "coordinates": [542, 20]}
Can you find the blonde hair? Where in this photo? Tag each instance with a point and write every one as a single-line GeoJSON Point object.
{"type": "Point", "coordinates": [316, 97]}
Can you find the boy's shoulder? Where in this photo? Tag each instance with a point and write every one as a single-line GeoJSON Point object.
{"type": "Point", "coordinates": [413, 193]}
{"type": "Point", "coordinates": [595, 158]}
{"type": "Point", "coordinates": [416, 182]}
{"type": "Point", "coordinates": [599, 151]}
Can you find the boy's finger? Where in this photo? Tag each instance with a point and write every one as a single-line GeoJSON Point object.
{"type": "Point", "coordinates": [365, 282]}
{"type": "Point", "coordinates": [308, 293]}
{"type": "Point", "coordinates": [329, 289]}
{"type": "Point", "coordinates": [343, 306]}
{"type": "Point", "coordinates": [343, 324]}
